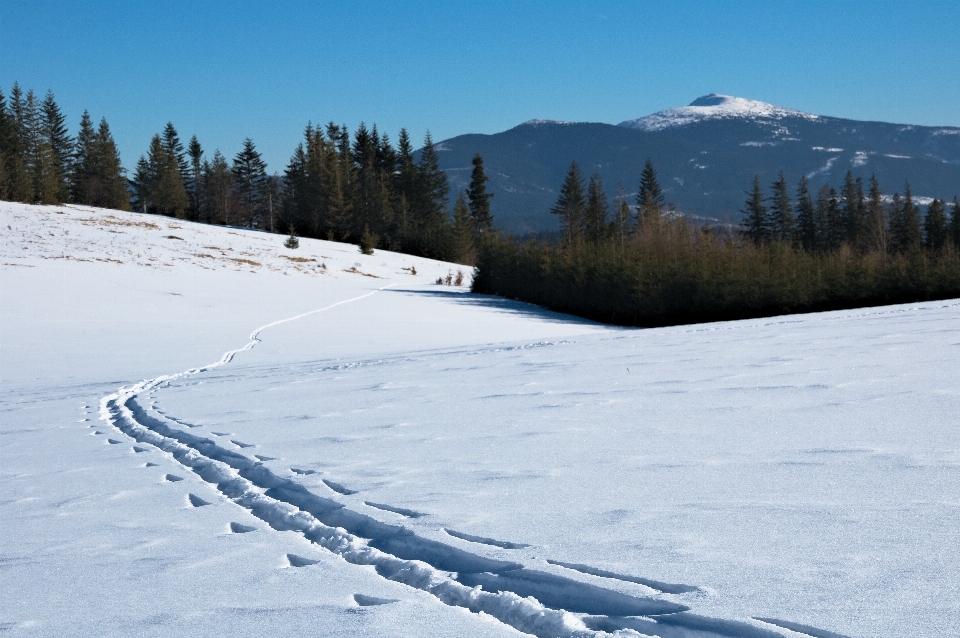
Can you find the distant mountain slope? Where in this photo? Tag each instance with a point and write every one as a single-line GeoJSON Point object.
{"type": "Point", "coordinates": [706, 154]}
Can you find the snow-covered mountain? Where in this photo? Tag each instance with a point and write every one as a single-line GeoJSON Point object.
{"type": "Point", "coordinates": [715, 107]}
{"type": "Point", "coordinates": [706, 154]}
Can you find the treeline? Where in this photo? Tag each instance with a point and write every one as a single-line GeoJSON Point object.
{"type": "Point", "coordinates": [643, 266]}
{"type": "Point", "coordinates": [357, 188]}
{"type": "Point", "coordinates": [41, 163]}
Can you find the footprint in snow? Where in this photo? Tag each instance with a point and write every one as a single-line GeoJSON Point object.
{"type": "Point", "coordinates": [300, 561]}
{"type": "Point", "coordinates": [113, 442]}
{"type": "Point", "coordinates": [172, 478]}
{"type": "Point", "coordinates": [196, 501]}
{"type": "Point", "coordinates": [138, 450]}
{"type": "Point", "coordinates": [370, 601]}
{"type": "Point", "coordinates": [237, 528]}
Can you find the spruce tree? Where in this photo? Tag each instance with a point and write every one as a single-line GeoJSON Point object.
{"type": "Point", "coordinates": [621, 222]}
{"type": "Point", "coordinates": [806, 228]}
{"type": "Point", "coordinates": [755, 224]}
{"type": "Point", "coordinates": [830, 226]}
{"type": "Point", "coordinates": [955, 224]}
{"type": "Point", "coordinates": [571, 204]}
{"type": "Point", "coordinates": [649, 196]}
{"type": "Point", "coordinates": [54, 135]}
{"type": "Point", "coordinates": [935, 226]}
{"type": "Point", "coordinates": [851, 210]}
{"type": "Point", "coordinates": [109, 184]}
{"type": "Point", "coordinates": [479, 198]}
{"type": "Point", "coordinates": [7, 149]}
{"type": "Point", "coordinates": [875, 220]}
{"type": "Point", "coordinates": [462, 234]}
{"type": "Point", "coordinates": [159, 183]}
{"type": "Point", "coordinates": [781, 212]}
{"type": "Point", "coordinates": [910, 235]}
{"type": "Point", "coordinates": [171, 142]}
{"type": "Point", "coordinates": [195, 153]}
{"type": "Point", "coordinates": [82, 167]}
{"type": "Point", "coordinates": [20, 187]}
{"type": "Point", "coordinates": [431, 208]}
{"type": "Point", "coordinates": [217, 191]}
{"type": "Point", "coordinates": [249, 178]}
{"type": "Point", "coordinates": [597, 210]}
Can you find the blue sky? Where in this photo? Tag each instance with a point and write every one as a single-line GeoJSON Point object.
{"type": "Point", "coordinates": [228, 70]}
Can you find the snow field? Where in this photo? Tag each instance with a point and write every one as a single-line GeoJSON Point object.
{"type": "Point", "coordinates": [803, 470]}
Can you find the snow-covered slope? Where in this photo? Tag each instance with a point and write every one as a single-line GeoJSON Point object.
{"type": "Point", "coordinates": [715, 107]}
{"type": "Point", "coordinates": [206, 434]}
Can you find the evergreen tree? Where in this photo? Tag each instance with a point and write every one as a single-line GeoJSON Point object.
{"type": "Point", "coordinates": [849, 210]}
{"type": "Point", "coordinates": [935, 226]}
{"type": "Point", "coordinates": [195, 153]}
{"type": "Point", "coordinates": [875, 220]}
{"type": "Point", "coordinates": [621, 222]}
{"type": "Point", "coordinates": [955, 224]}
{"type": "Point", "coordinates": [781, 212]}
{"type": "Point", "coordinates": [806, 228]}
{"type": "Point", "coordinates": [831, 231]}
{"type": "Point", "coordinates": [7, 149]}
{"type": "Point", "coordinates": [649, 196]}
{"type": "Point", "coordinates": [479, 198]}
{"type": "Point", "coordinates": [249, 178]}
{"type": "Point", "coordinates": [906, 233]}
{"type": "Point", "coordinates": [19, 185]}
{"type": "Point", "coordinates": [171, 142]}
{"type": "Point", "coordinates": [571, 204]}
{"type": "Point", "coordinates": [83, 152]}
{"type": "Point", "coordinates": [405, 182]}
{"type": "Point", "coordinates": [431, 208]}
{"type": "Point", "coordinates": [108, 186]}
{"type": "Point", "coordinates": [54, 136]}
{"type": "Point", "coordinates": [158, 182]}
{"type": "Point", "coordinates": [462, 247]}
{"type": "Point", "coordinates": [217, 192]}
{"type": "Point", "coordinates": [596, 212]}
{"type": "Point", "coordinates": [755, 224]}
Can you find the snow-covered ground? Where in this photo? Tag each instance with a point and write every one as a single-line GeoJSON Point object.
{"type": "Point", "coordinates": [407, 459]}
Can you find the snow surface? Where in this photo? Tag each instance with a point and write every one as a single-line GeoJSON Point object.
{"type": "Point", "coordinates": [204, 433]}
{"type": "Point", "coordinates": [715, 107]}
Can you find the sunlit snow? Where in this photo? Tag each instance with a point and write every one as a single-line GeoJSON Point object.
{"type": "Point", "coordinates": [205, 433]}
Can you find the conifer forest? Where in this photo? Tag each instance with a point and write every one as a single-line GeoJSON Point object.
{"type": "Point", "coordinates": [634, 261]}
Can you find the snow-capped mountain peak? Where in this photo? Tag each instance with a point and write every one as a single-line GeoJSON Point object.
{"type": "Point", "coordinates": [714, 107]}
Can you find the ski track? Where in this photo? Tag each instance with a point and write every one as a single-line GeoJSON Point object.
{"type": "Point", "coordinates": [534, 602]}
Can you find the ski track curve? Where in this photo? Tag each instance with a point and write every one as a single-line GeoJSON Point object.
{"type": "Point", "coordinates": [513, 594]}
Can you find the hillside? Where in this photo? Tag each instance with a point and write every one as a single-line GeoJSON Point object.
{"type": "Point", "coordinates": [706, 155]}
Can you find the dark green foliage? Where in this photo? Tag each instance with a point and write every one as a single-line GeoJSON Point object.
{"type": "Point", "coordinates": [755, 224]}
{"type": "Point", "coordinates": [905, 233]}
{"type": "Point", "coordinates": [831, 229]}
{"type": "Point", "coordinates": [158, 182]}
{"type": "Point", "coordinates": [250, 177]}
{"type": "Point", "coordinates": [195, 175]}
{"type": "Point", "coordinates": [875, 220]}
{"type": "Point", "coordinates": [672, 274]}
{"type": "Point", "coordinates": [55, 139]}
{"type": "Point", "coordinates": [571, 204]}
{"type": "Point", "coordinates": [781, 212]}
{"type": "Point", "coordinates": [935, 226]}
{"type": "Point", "coordinates": [805, 234]}
{"type": "Point", "coordinates": [596, 211]}
{"type": "Point", "coordinates": [479, 198]}
{"type": "Point", "coordinates": [649, 196]}
{"type": "Point", "coordinates": [955, 223]}
{"type": "Point", "coordinates": [292, 241]}
{"type": "Point", "coordinates": [463, 234]}
{"type": "Point", "coordinates": [367, 241]}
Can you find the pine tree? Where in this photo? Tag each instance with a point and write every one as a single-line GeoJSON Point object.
{"type": "Point", "coordinates": [54, 136]}
{"type": "Point", "coordinates": [875, 219]}
{"type": "Point", "coordinates": [7, 149]}
{"type": "Point", "coordinates": [649, 196]}
{"type": "Point", "coordinates": [781, 212]}
{"type": "Point", "coordinates": [431, 207]}
{"type": "Point", "coordinates": [621, 222]}
{"type": "Point", "coordinates": [249, 178]}
{"type": "Point", "coordinates": [571, 204]}
{"type": "Point", "coordinates": [955, 224]}
{"type": "Point", "coordinates": [462, 247]}
{"type": "Point", "coordinates": [479, 198]}
{"type": "Point", "coordinates": [171, 142]}
{"type": "Point", "coordinates": [217, 192]}
{"type": "Point", "coordinates": [906, 234]}
{"type": "Point", "coordinates": [806, 228]}
{"type": "Point", "coordinates": [830, 226]}
{"type": "Point", "coordinates": [158, 181]}
{"type": "Point", "coordinates": [755, 224]}
{"type": "Point", "coordinates": [82, 160]}
{"type": "Point", "coordinates": [935, 226]}
{"type": "Point", "coordinates": [195, 153]}
{"type": "Point", "coordinates": [20, 187]}
{"type": "Point", "coordinates": [109, 186]}
{"type": "Point", "coordinates": [597, 210]}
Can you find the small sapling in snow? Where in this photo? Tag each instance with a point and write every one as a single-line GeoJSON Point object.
{"type": "Point", "coordinates": [292, 241]}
